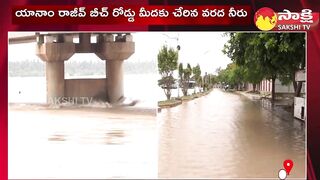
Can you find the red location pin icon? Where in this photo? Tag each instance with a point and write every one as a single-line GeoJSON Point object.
{"type": "Point", "coordinates": [288, 164]}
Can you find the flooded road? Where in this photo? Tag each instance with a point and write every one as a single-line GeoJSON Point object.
{"type": "Point", "coordinates": [226, 135]}
{"type": "Point", "coordinates": [82, 143]}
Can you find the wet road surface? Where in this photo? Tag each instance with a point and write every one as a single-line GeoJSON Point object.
{"type": "Point", "coordinates": [226, 135]}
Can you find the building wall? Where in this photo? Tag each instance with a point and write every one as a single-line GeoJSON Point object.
{"type": "Point", "coordinates": [266, 86]}
{"type": "Point", "coordinates": [283, 88]}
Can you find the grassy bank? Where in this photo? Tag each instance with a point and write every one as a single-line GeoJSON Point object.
{"type": "Point", "coordinates": [177, 101]}
{"type": "Point", "coordinates": [169, 103]}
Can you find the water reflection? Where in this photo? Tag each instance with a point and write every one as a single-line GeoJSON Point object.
{"type": "Point", "coordinates": [115, 137]}
{"type": "Point", "coordinates": [226, 135]}
{"type": "Point", "coordinates": [57, 137]}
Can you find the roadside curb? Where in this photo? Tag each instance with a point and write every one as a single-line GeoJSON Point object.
{"type": "Point", "coordinates": [183, 99]}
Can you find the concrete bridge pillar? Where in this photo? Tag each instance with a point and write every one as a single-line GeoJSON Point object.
{"type": "Point", "coordinates": [114, 80]}
{"type": "Point", "coordinates": [55, 81]}
{"type": "Point", "coordinates": [54, 50]}
{"type": "Point", "coordinates": [114, 50]}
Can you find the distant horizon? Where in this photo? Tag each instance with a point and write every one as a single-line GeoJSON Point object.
{"type": "Point", "coordinates": [36, 68]}
{"type": "Point", "coordinates": [203, 48]}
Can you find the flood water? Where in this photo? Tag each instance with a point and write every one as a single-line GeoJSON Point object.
{"type": "Point", "coordinates": [81, 143]}
{"type": "Point", "coordinates": [22, 89]}
{"type": "Point", "coordinates": [91, 141]}
{"type": "Point", "coordinates": [226, 135]}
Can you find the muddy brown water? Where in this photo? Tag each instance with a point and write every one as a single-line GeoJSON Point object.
{"type": "Point", "coordinates": [226, 135]}
{"type": "Point", "coordinates": [82, 143]}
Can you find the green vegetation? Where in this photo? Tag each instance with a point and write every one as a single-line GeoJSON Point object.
{"type": "Point", "coordinates": [258, 56]}
{"type": "Point", "coordinates": [188, 97]}
{"type": "Point", "coordinates": [167, 63]}
{"type": "Point", "coordinates": [169, 103]}
{"type": "Point", "coordinates": [185, 75]}
{"type": "Point", "coordinates": [197, 75]}
{"type": "Point", "coordinates": [233, 75]}
{"type": "Point", "coordinates": [177, 101]}
{"type": "Point", "coordinates": [208, 81]}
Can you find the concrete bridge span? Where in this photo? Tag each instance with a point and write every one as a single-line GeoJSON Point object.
{"type": "Point", "coordinates": [113, 48]}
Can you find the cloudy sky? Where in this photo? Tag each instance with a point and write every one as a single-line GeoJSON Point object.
{"type": "Point", "coordinates": [203, 48]}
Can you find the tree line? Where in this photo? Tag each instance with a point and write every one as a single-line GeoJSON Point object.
{"type": "Point", "coordinates": [168, 64]}
{"type": "Point", "coordinates": [258, 56]}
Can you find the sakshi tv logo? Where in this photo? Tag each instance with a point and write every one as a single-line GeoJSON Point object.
{"type": "Point", "coordinates": [267, 19]}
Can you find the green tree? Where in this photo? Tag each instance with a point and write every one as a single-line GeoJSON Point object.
{"type": "Point", "coordinates": [253, 74]}
{"type": "Point", "coordinates": [185, 75]}
{"type": "Point", "coordinates": [268, 56]}
{"type": "Point", "coordinates": [213, 79]}
{"type": "Point", "coordinates": [167, 63]}
{"type": "Point", "coordinates": [206, 79]}
{"type": "Point", "coordinates": [233, 75]}
{"type": "Point", "coordinates": [197, 75]}
{"type": "Point", "coordinates": [180, 72]}
{"type": "Point", "coordinates": [292, 49]}
{"type": "Point", "coordinates": [222, 76]}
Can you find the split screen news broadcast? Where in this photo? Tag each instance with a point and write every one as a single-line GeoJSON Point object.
{"type": "Point", "coordinates": [153, 89]}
